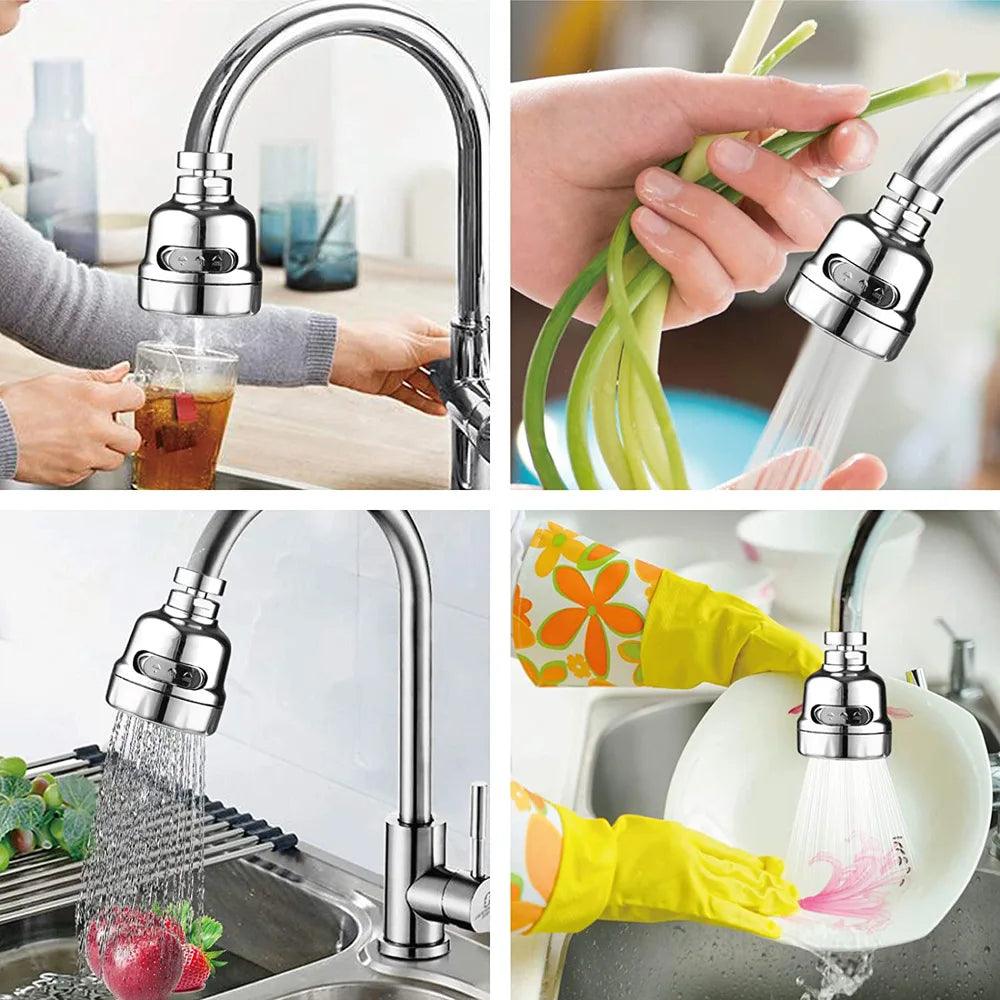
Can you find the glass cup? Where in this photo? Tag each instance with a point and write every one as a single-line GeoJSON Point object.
{"type": "Point", "coordinates": [321, 253]}
{"type": "Point", "coordinates": [188, 395]}
{"type": "Point", "coordinates": [287, 171]}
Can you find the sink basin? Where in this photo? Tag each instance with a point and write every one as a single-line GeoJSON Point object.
{"type": "Point", "coordinates": [289, 925]}
{"type": "Point", "coordinates": [225, 479]}
{"type": "Point", "coordinates": [630, 755]}
{"type": "Point", "coordinates": [372, 991]}
{"type": "Point", "coordinates": [301, 923]}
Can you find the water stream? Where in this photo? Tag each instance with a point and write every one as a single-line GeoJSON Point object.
{"type": "Point", "coordinates": [841, 975]}
{"type": "Point", "coordinates": [800, 441]}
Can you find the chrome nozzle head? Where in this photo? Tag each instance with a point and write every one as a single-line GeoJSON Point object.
{"type": "Point", "coordinates": [201, 246]}
{"type": "Point", "coordinates": [174, 666]}
{"type": "Point", "coordinates": [844, 711]}
{"type": "Point", "coordinates": [864, 283]}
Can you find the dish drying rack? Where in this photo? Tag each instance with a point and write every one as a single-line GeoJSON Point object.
{"type": "Point", "coordinates": [48, 880]}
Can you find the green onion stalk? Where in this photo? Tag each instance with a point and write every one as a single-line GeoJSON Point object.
{"type": "Point", "coordinates": [615, 381]}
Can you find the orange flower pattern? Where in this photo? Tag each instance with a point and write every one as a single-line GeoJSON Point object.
{"type": "Point", "coordinates": [594, 608]}
{"type": "Point", "coordinates": [556, 543]}
{"type": "Point", "coordinates": [580, 599]}
{"type": "Point", "coordinates": [535, 856]}
{"type": "Point", "coordinates": [521, 632]}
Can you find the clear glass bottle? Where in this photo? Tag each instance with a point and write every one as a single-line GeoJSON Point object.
{"type": "Point", "coordinates": [62, 162]}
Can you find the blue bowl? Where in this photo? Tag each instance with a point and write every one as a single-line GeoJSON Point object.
{"type": "Point", "coordinates": [717, 435]}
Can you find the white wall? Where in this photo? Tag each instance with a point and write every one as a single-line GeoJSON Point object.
{"type": "Point", "coordinates": [308, 734]}
{"type": "Point", "coordinates": [377, 116]}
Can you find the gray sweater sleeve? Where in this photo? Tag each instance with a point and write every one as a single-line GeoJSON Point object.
{"type": "Point", "coordinates": [89, 318]}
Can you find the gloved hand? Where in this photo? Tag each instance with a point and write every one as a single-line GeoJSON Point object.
{"type": "Point", "coordinates": [587, 614]}
{"type": "Point", "coordinates": [643, 870]}
{"type": "Point", "coordinates": [695, 634]}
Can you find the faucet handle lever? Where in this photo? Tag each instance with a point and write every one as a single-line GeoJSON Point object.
{"type": "Point", "coordinates": [479, 796]}
{"type": "Point", "coordinates": [963, 652]}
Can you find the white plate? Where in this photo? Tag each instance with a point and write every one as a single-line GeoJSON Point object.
{"type": "Point", "coordinates": [739, 778]}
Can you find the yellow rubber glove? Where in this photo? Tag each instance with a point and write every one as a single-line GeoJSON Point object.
{"type": "Point", "coordinates": [646, 870]}
{"type": "Point", "coordinates": [694, 634]}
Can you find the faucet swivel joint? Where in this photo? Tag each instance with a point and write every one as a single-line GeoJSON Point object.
{"type": "Point", "coordinates": [844, 713]}
{"type": "Point", "coordinates": [174, 666]}
{"type": "Point", "coordinates": [865, 282]}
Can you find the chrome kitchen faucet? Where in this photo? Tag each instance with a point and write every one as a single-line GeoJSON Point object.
{"type": "Point", "coordinates": [844, 711]}
{"type": "Point", "coordinates": [865, 282]}
{"type": "Point", "coordinates": [173, 671]}
{"type": "Point", "coordinates": [201, 250]}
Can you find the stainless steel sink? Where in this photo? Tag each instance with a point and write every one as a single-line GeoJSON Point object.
{"type": "Point", "coordinates": [630, 751]}
{"type": "Point", "coordinates": [225, 479]}
{"type": "Point", "coordinates": [300, 923]}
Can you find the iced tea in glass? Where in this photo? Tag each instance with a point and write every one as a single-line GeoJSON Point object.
{"type": "Point", "coordinates": [189, 392]}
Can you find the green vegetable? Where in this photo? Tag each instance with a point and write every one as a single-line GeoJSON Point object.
{"type": "Point", "coordinates": [618, 363]}
{"type": "Point", "coordinates": [18, 807]}
{"type": "Point", "coordinates": [23, 841]}
{"type": "Point", "coordinates": [52, 796]}
{"type": "Point", "coordinates": [79, 797]}
{"type": "Point", "coordinates": [15, 767]}
{"type": "Point", "coordinates": [6, 853]}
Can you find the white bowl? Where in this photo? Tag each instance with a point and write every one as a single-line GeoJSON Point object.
{"type": "Point", "coordinates": [803, 548]}
{"type": "Point", "coordinates": [665, 551]}
{"type": "Point", "coordinates": [739, 779]}
{"type": "Point", "coordinates": [750, 582]}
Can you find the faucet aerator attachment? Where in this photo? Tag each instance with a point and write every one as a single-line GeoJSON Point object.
{"type": "Point", "coordinates": [201, 247]}
{"type": "Point", "coordinates": [844, 712]}
{"type": "Point", "coordinates": [174, 666]}
{"type": "Point", "coordinates": [864, 283]}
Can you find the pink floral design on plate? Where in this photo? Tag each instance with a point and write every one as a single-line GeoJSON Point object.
{"type": "Point", "coordinates": [858, 889]}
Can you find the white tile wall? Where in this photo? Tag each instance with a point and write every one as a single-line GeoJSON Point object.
{"type": "Point", "coordinates": [308, 736]}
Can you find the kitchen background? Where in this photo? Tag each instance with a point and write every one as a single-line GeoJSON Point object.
{"type": "Point", "coordinates": [382, 133]}
{"type": "Point", "coordinates": [308, 736]}
{"type": "Point", "coordinates": [948, 569]}
{"type": "Point", "coordinates": [379, 121]}
{"type": "Point", "coordinates": [925, 414]}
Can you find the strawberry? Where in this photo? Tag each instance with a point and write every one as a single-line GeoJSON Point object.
{"type": "Point", "coordinates": [199, 937]}
{"type": "Point", "coordinates": [141, 960]}
{"type": "Point", "coordinates": [197, 969]}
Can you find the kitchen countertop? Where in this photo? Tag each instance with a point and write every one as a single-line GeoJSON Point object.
{"type": "Point", "coordinates": [953, 577]}
{"type": "Point", "coordinates": [329, 437]}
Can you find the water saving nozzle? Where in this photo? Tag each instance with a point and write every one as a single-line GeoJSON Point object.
{"type": "Point", "coordinates": [174, 666]}
{"type": "Point", "coordinates": [844, 711]}
{"type": "Point", "coordinates": [865, 282]}
{"type": "Point", "coordinates": [201, 247]}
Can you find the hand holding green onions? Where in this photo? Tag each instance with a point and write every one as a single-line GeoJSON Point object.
{"type": "Point", "coordinates": [578, 145]}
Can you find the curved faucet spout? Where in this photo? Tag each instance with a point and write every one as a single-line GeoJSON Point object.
{"type": "Point", "coordinates": [209, 558]}
{"type": "Point", "coordinates": [956, 141]}
{"type": "Point", "coordinates": [311, 20]}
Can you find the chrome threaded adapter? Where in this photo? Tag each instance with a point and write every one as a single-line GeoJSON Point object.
{"type": "Point", "coordinates": [844, 711]}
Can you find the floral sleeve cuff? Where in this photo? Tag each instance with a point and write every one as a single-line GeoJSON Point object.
{"type": "Point", "coordinates": [578, 611]}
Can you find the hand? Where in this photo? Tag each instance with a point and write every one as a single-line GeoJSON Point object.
{"type": "Point", "coordinates": [583, 146]}
{"type": "Point", "coordinates": [861, 472]}
{"type": "Point", "coordinates": [385, 359]}
{"type": "Point", "coordinates": [65, 424]}
{"type": "Point", "coordinates": [666, 871]}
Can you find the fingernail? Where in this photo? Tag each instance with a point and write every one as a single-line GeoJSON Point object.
{"type": "Point", "coordinates": [734, 155]}
{"type": "Point", "coordinates": [659, 185]}
{"type": "Point", "coordinates": [844, 91]}
{"type": "Point", "coordinates": [651, 224]}
{"type": "Point", "coordinates": [863, 143]}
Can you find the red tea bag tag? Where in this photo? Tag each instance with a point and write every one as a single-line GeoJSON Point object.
{"type": "Point", "coordinates": [185, 408]}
